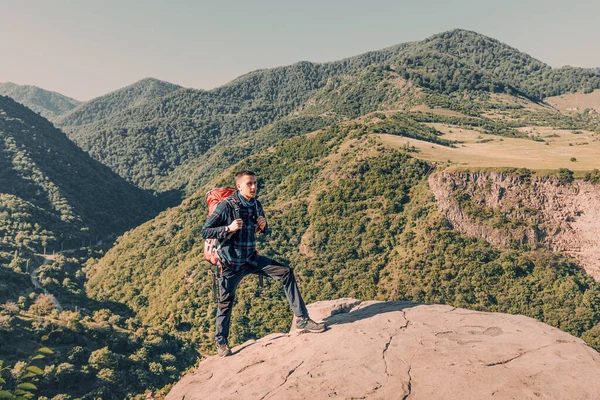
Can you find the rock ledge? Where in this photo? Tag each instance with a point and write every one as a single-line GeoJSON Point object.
{"type": "Point", "coordinates": [399, 350]}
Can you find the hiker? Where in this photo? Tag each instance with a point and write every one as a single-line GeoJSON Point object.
{"type": "Point", "coordinates": [235, 223]}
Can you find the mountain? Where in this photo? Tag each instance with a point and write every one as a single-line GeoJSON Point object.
{"type": "Point", "coordinates": [160, 135]}
{"type": "Point", "coordinates": [116, 102]}
{"type": "Point", "coordinates": [52, 194]}
{"type": "Point", "coordinates": [345, 153]}
{"type": "Point", "coordinates": [48, 104]}
{"type": "Point", "coordinates": [355, 218]}
{"type": "Point", "coordinates": [503, 64]}
{"type": "Point", "coordinates": [394, 350]}
{"type": "Point", "coordinates": [148, 144]}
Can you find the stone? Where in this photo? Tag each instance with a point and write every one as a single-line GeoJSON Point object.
{"type": "Point", "coordinates": [399, 350]}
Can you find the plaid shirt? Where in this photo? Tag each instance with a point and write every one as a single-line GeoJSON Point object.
{"type": "Point", "coordinates": [240, 248]}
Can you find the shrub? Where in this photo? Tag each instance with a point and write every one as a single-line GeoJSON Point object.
{"type": "Point", "coordinates": [103, 358]}
{"type": "Point", "coordinates": [11, 308]}
{"type": "Point", "coordinates": [43, 305]}
{"type": "Point", "coordinates": [593, 176]}
{"type": "Point", "coordinates": [565, 176]}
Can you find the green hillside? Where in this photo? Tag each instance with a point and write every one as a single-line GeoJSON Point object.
{"type": "Point", "coordinates": [148, 143]}
{"type": "Point", "coordinates": [99, 349]}
{"type": "Point", "coordinates": [500, 115]}
{"type": "Point", "coordinates": [52, 194]}
{"type": "Point", "coordinates": [505, 65]}
{"type": "Point", "coordinates": [48, 104]}
{"type": "Point", "coordinates": [354, 218]}
{"type": "Point", "coordinates": [118, 101]}
{"type": "Point", "coordinates": [145, 144]}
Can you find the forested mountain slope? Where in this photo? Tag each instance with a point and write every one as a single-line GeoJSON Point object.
{"type": "Point", "coordinates": [48, 104]}
{"type": "Point", "coordinates": [354, 218]}
{"type": "Point", "coordinates": [115, 102]}
{"type": "Point", "coordinates": [54, 195]}
{"type": "Point", "coordinates": [504, 64]}
{"type": "Point", "coordinates": [98, 349]}
{"type": "Point", "coordinates": [146, 144]}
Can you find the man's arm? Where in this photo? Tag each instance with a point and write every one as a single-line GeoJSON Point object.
{"type": "Point", "coordinates": [216, 224]}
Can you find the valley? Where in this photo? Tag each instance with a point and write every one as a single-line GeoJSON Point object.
{"type": "Point", "coordinates": [453, 170]}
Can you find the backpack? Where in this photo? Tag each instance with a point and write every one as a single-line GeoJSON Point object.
{"type": "Point", "coordinates": [213, 198]}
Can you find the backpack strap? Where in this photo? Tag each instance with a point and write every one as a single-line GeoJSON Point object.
{"type": "Point", "coordinates": [256, 212]}
{"type": "Point", "coordinates": [235, 203]}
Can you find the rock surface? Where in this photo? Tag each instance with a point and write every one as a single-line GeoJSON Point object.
{"type": "Point", "coordinates": [535, 210]}
{"type": "Point", "coordinates": [399, 350]}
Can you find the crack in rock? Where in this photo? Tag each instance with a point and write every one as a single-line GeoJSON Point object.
{"type": "Point", "coordinates": [251, 365]}
{"type": "Point", "coordinates": [387, 345]}
{"type": "Point", "coordinates": [376, 388]}
{"type": "Point", "coordinates": [383, 355]}
{"type": "Point", "coordinates": [409, 385]}
{"type": "Point", "coordinates": [505, 361]}
{"type": "Point", "coordinates": [290, 372]}
{"type": "Point", "coordinates": [407, 320]}
{"type": "Point", "coordinates": [502, 362]}
{"type": "Point", "coordinates": [202, 378]}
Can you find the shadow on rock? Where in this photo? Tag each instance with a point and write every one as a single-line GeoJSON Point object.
{"type": "Point", "coordinates": [347, 316]}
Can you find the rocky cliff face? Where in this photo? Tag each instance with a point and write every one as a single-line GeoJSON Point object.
{"type": "Point", "coordinates": [400, 350]}
{"type": "Point", "coordinates": [509, 209]}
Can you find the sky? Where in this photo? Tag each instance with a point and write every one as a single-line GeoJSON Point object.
{"type": "Point", "coordinates": [84, 49]}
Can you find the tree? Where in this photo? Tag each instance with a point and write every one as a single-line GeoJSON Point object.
{"type": "Point", "coordinates": [565, 176]}
{"type": "Point", "coordinates": [103, 358]}
{"type": "Point", "coordinates": [43, 305]}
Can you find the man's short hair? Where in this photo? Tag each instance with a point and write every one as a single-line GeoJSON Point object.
{"type": "Point", "coordinates": [244, 172]}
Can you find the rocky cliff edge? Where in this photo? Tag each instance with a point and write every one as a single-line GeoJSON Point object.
{"type": "Point", "coordinates": [403, 350]}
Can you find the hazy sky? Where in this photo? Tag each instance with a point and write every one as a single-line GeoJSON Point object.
{"type": "Point", "coordinates": [84, 49]}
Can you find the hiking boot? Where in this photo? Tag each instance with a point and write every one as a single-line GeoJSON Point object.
{"type": "Point", "coordinates": [223, 350]}
{"type": "Point", "coordinates": [305, 325]}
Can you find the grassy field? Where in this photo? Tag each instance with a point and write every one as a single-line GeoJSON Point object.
{"type": "Point", "coordinates": [480, 150]}
{"type": "Point", "coordinates": [576, 101]}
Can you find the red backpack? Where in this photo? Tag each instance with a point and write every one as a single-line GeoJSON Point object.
{"type": "Point", "coordinates": [214, 197]}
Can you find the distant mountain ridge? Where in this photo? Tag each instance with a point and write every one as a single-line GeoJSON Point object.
{"type": "Point", "coordinates": [117, 101]}
{"type": "Point", "coordinates": [147, 143]}
{"type": "Point", "coordinates": [47, 103]}
{"type": "Point", "coordinates": [156, 137]}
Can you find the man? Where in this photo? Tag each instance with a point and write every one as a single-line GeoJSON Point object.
{"type": "Point", "coordinates": [235, 222]}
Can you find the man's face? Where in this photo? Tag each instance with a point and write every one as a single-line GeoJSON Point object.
{"type": "Point", "coordinates": [247, 186]}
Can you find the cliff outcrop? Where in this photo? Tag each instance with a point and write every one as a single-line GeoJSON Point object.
{"type": "Point", "coordinates": [511, 209]}
{"type": "Point", "coordinates": [400, 350]}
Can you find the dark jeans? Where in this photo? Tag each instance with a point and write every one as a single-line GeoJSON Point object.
{"type": "Point", "coordinates": [265, 267]}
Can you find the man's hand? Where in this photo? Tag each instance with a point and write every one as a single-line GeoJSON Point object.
{"type": "Point", "coordinates": [262, 224]}
{"type": "Point", "coordinates": [236, 225]}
